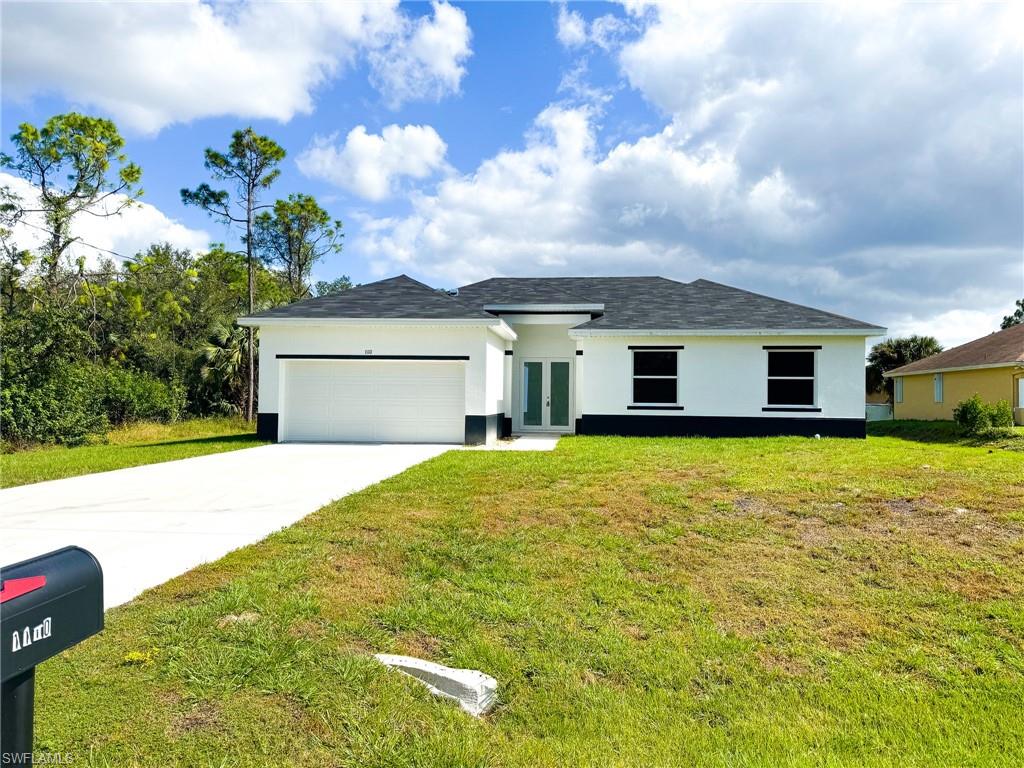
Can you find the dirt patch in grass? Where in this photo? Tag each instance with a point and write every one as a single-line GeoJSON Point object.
{"type": "Point", "coordinates": [197, 716]}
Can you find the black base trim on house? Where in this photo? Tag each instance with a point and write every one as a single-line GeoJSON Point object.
{"type": "Point", "coordinates": [793, 409]}
{"type": "Point", "coordinates": [373, 357]}
{"type": "Point", "coordinates": [266, 426]}
{"type": "Point", "coordinates": [655, 408]}
{"type": "Point", "coordinates": [506, 426]}
{"type": "Point", "coordinates": [483, 429]}
{"type": "Point", "coordinates": [644, 425]}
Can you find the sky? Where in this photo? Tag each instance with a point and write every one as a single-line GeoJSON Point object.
{"type": "Point", "coordinates": [863, 158]}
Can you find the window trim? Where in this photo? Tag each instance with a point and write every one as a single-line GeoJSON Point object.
{"type": "Point", "coordinates": [814, 406]}
{"type": "Point", "coordinates": [897, 389]}
{"type": "Point", "coordinates": [633, 404]}
{"type": "Point", "coordinates": [938, 392]}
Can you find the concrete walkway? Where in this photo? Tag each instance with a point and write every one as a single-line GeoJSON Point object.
{"type": "Point", "coordinates": [148, 524]}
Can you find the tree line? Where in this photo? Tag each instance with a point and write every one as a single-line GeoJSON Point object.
{"type": "Point", "coordinates": [91, 343]}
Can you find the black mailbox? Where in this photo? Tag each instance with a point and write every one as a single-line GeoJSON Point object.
{"type": "Point", "coordinates": [47, 604]}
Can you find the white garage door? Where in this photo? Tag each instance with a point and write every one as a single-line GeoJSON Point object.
{"type": "Point", "coordinates": [410, 401]}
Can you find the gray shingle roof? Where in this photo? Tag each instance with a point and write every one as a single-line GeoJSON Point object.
{"type": "Point", "coordinates": [657, 303]}
{"type": "Point", "coordinates": [394, 298]}
{"type": "Point", "coordinates": [631, 303]}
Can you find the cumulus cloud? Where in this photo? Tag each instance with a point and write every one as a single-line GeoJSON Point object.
{"type": "Point", "coordinates": [429, 60]}
{"type": "Point", "coordinates": [371, 165]}
{"type": "Point", "coordinates": [153, 64]}
{"type": "Point", "coordinates": [125, 234]}
{"type": "Point", "coordinates": [862, 160]}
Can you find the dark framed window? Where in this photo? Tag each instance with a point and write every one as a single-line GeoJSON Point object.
{"type": "Point", "coordinates": [792, 377]}
{"type": "Point", "coordinates": [655, 377]}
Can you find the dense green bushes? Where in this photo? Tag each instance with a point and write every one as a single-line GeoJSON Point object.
{"type": "Point", "coordinates": [128, 396]}
{"type": "Point", "coordinates": [53, 393]}
{"type": "Point", "coordinates": [84, 399]}
{"type": "Point", "coordinates": [974, 416]}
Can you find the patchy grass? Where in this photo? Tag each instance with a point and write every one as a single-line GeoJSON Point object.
{"type": "Point", "coordinates": [1010, 438]}
{"type": "Point", "coordinates": [775, 602]}
{"type": "Point", "coordinates": [145, 443]}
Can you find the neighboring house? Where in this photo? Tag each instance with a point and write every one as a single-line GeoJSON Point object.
{"type": "Point", "coordinates": [991, 367]}
{"type": "Point", "coordinates": [397, 360]}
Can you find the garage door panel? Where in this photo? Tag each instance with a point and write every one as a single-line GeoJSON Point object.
{"type": "Point", "coordinates": [374, 401]}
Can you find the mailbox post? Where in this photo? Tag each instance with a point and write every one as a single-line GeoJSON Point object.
{"type": "Point", "coordinates": [47, 604]}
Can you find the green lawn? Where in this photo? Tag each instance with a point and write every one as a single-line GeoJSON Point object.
{"type": "Point", "coordinates": [145, 443]}
{"type": "Point", "coordinates": [642, 603]}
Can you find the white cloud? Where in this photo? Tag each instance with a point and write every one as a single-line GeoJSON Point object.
{"type": "Point", "coordinates": [127, 233]}
{"type": "Point", "coordinates": [572, 29]}
{"type": "Point", "coordinates": [952, 328]}
{"type": "Point", "coordinates": [605, 31]}
{"type": "Point", "coordinates": [371, 165]}
{"type": "Point", "coordinates": [428, 60]}
{"type": "Point", "coordinates": [866, 161]}
{"type": "Point", "coordinates": [153, 64]}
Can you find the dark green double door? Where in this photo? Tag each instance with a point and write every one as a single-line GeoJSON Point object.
{"type": "Point", "coordinates": [545, 391]}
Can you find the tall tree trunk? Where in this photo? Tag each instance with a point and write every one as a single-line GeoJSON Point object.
{"type": "Point", "coordinates": [251, 331]}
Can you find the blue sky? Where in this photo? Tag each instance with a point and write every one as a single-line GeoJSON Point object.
{"type": "Point", "coordinates": [863, 160]}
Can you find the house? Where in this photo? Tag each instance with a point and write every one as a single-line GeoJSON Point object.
{"type": "Point", "coordinates": [991, 367]}
{"type": "Point", "coordinates": [397, 360]}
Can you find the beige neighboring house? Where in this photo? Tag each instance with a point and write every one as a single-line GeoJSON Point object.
{"type": "Point", "coordinates": [992, 367]}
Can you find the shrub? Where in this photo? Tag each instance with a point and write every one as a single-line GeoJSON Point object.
{"type": "Point", "coordinates": [1001, 414]}
{"type": "Point", "coordinates": [129, 396]}
{"type": "Point", "coordinates": [975, 416]}
{"type": "Point", "coordinates": [971, 415]}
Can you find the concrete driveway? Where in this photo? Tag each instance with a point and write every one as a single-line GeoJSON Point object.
{"type": "Point", "coordinates": [148, 524]}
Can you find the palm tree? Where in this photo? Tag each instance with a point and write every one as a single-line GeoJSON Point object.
{"type": "Point", "coordinates": [225, 356]}
{"type": "Point", "coordinates": [893, 353]}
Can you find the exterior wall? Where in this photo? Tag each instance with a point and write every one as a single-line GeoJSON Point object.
{"type": "Point", "coordinates": [484, 373]}
{"type": "Point", "coordinates": [991, 384]}
{"type": "Point", "coordinates": [724, 376]}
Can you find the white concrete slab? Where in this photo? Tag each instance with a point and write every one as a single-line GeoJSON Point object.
{"type": "Point", "coordinates": [148, 524]}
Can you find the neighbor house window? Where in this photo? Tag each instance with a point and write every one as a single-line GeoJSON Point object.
{"type": "Point", "coordinates": [791, 378]}
{"type": "Point", "coordinates": [898, 388]}
{"type": "Point", "coordinates": [655, 377]}
{"type": "Point", "coordinates": [937, 383]}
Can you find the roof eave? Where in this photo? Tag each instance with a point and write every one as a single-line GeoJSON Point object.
{"type": "Point", "coordinates": [524, 307]}
{"type": "Point", "coordinates": [952, 368]}
{"type": "Point", "coordinates": [578, 333]}
{"type": "Point", "coordinates": [257, 321]}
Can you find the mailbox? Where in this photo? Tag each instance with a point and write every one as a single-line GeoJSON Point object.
{"type": "Point", "coordinates": [47, 604]}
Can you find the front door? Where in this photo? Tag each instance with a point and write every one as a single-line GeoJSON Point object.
{"type": "Point", "coordinates": [545, 393]}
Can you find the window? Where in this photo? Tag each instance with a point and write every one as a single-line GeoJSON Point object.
{"type": "Point", "coordinates": [791, 381]}
{"type": "Point", "coordinates": [655, 376]}
{"type": "Point", "coordinates": [937, 385]}
{"type": "Point", "coordinates": [898, 388]}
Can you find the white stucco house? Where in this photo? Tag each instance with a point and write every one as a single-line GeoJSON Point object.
{"type": "Point", "coordinates": [397, 360]}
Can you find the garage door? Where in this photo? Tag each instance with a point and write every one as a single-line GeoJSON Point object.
{"type": "Point", "coordinates": [374, 401]}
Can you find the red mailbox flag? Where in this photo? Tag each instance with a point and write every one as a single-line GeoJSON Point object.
{"type": "Point", "coordinates": [13, 588]}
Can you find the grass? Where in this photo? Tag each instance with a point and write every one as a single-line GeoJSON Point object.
{"type": "Point", "coordinates": [776, 602]}
{"type": "Point", "coordinates": [145, 443]}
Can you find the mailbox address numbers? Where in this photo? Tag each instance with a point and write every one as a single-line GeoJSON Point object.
{"type": "Point", "coordinates": [30, 635]}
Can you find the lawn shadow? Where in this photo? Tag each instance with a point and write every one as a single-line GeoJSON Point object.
{"type": "Point", "coordinates": [199, 441]}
